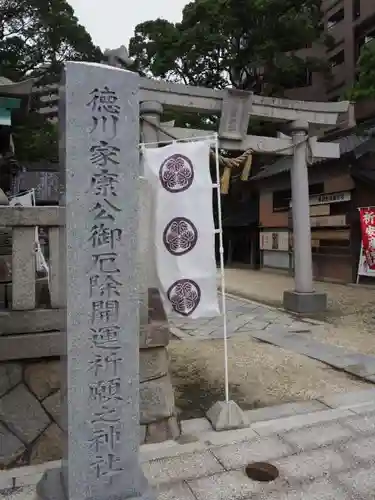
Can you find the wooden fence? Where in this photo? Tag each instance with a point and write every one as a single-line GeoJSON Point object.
{"type": "Point", "coordinates": [29, 329]}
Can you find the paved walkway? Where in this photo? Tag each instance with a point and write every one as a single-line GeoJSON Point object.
{"type": "Point", "coordinates": [275, 326]}
{"type": "Point", "coordinates": [324, 454]}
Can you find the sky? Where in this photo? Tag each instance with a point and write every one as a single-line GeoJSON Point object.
{"type": "Point", "coordinates": [111, 23]}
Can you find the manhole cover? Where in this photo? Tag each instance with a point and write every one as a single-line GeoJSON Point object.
{"type": "Point", "coordinates": [261, 471]}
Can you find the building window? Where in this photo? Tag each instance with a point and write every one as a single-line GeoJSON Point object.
{"type": "Point", "coordinates": [337, 59]}
{"type": "Point", "coordinates": [363, 40]}
{"type": "Point", "coordinates": [304, 79]}
{"type": "Point", "coordinates": [356, 9]}
{"type": "Point", "coordinates": [301, 79]}
{"type": "Point", "coordinates": [316, 189]}
{"type": "Point", "coordinates": [336, 18]}
{"type": "Point", "coordinates": [281, 200]}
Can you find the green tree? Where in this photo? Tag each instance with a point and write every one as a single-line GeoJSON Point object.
{"type": "Point", "coordinates": [364, 88]}
{"type": "Point", "coordinates": [247, 44]}
{"type": "Point", "coordinates": [36, 37]}
{"type": "Point", "coordinates": [35, 138]}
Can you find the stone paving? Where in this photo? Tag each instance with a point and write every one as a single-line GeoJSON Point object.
{"type": "Point", "coordinates": [322, 452]}
{"type": "Point", "coordinates": [276, 327]}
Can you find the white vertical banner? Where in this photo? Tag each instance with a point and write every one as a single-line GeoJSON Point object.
{"type": "Point", "coordinates": [184, 230]}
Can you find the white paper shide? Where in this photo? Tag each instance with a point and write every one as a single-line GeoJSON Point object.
{"type": "Point", "coordinates": [184, 231]}
{"type": "Point", "coordinates": [28, 200]}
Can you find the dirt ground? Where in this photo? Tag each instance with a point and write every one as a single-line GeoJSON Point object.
{"type": "Point", "coordinates": [350, 319]}
{"type": "Point", "coordinates": [260, 375]}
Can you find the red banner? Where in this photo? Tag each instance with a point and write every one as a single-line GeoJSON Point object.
{"type": "Point", "coordinates": [367, 216]}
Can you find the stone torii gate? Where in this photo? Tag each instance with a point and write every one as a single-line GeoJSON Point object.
{"type": "Point", "coordinates": [236, 108]}
{"type": "Point", "coordinates": [306, 121]}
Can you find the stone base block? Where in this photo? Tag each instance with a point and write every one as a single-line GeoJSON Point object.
{"type": "Point", "coordinates": [305, 303]}
{"type": "Point", "coordinates": [227, 415]}
{"type": "Point", "coordinates": [164, 430]}
{"type": "Point", "coordinates": [156, 400]}
{"type": "Point", "coordinates": [51, 487]}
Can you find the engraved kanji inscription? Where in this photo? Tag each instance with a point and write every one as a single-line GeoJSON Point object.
{"type": "Point", "coordinates": [106, 286]}
{"type": "Point", "coordinates": [106, 437]}
{"type": "Point", "coordinates": [101, 235]}
{"type": "Point", "coordinates": [105, 109]}
{"type": "Point", "coordinates": [104, 153]}
{"type": "Point", "coordinates": [106, 337]}
{"type": "Point", "coordinates": [105, 262]}
{"type": "Point", "coordinates": [105, 311]}
{"type": "Point", "coordinates": [107, 415]}
{"type": "Point", "coordinates": [105, 391]}
{"type": "Point", "coordinates": [104, 183]}
{"type": "Point", "coordinates": [105, 362]}
{"type": "Point", "coordinates": [105, 210]}
{"type": "Point", "coordinates": [107, 466]}
{"type": "Point", "coordinates": [104, 100]}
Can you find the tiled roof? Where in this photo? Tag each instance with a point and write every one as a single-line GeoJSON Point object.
{"type": "Point", "coordinates": [5, 81]}
{"type": "Point", "coordinates": [347, 144]}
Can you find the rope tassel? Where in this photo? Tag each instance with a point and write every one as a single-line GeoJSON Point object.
{"type": "Point", "coordinates": [247, 168]}
{"type": "Point", "coordinates": [225, 180]}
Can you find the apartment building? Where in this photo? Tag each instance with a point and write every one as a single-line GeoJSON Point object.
{"type": "Point", "coordinates": [351, 24]}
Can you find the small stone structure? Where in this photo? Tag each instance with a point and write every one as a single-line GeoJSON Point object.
{"type": "Point", "coordinates": [30, 427]}
{"type": "Point", "coordinates": [30, 430]}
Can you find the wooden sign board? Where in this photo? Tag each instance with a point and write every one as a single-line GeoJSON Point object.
{"type": "Point", "coordinates": [330, 221]}
{"type": "Point", "coordinates": [324, 199]}
{"type": "Point", "coordinates": [330, 198]}
{"type": "Point", "coordinates": [318, 210]}
{"type": "Point", "coordinates": [274, 240]}
{"type": "Point", "coordinates": [331, 234]}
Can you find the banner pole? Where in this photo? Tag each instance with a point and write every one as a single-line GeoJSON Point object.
{"type": "Point", "coordinates": [222, 271]}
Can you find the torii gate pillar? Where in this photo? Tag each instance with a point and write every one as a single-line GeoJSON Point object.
{"type": "Point", "coordinates": [303, 299]}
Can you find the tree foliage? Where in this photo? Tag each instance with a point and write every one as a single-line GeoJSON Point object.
{"type": "Point", "coordinates": [35, 138]}
{"type": "Point", "coordinates": [364, 88]}
{"type": "Point", "coordinates": [247, 44]}
{"type": "Point", "coordinates": [37, 36]}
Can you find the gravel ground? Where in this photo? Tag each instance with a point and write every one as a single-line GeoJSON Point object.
{"type": "Point", "coordinates": [351, 309]}
{"type": "Point", "coordinates": [348, 336]}
{"type": "Point", "coordinates": [260, 375]}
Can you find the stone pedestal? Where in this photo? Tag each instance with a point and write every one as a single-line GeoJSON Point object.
{"type": "Point", "coordinates": [305, 303]}
{"type": "Point", "coordinates": [157, 403]}
{"type": "Point", "coordinates": [227, 415]}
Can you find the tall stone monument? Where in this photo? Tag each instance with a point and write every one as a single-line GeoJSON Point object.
{"type": "Point", "coordinates": [100, 178]}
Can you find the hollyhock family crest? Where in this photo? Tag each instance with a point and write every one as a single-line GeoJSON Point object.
{"type": "Point", "coordinates": [176, 173]}
{"type": "Point", "coordinates": [180, 236]}
{"type": "Point", "coordinates": [184, 295]}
